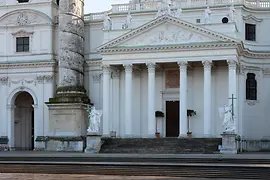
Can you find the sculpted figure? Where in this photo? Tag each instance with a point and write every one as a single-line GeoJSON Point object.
{"type": "Point", "coordinates": [229, 119]}
{"type": "Point", "coordinates": [128, 21]}
{"type": "Point", "coordinates": [231, 13]}
{"type": "Point", "coordinates": [207, 14]}
{"type": "Point", "coordinates": [107, 22]}
{"type": "Point", "coordinates": [94, 117]}
{"type": "Point", "coordinates": [178, 13]}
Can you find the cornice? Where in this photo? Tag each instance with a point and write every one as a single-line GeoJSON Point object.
{"type": "Point", "coordinates": [27, 65]}
{"type": "Point", "coordinates": [160, 20]}
{"type": "Point", "coordinates": [93, 63]}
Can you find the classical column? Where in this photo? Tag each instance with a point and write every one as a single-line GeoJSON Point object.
{"type": "Point", "coordinates": [128, 100]}
{"type": "Point", "coordinates": [183, 98]}
{"type": "Point", "coordinates": [207, 97]}
{"type": "Point", "coordinates": [10, 125]}
{"type": "Point", "coordinates": [151, 99]}
{"type": "Point", "coordinates": [116, 101]}
{"type": "Point", "coordinates": [106, 100]}
{"type": "Point", "coordinates": [232, 78]}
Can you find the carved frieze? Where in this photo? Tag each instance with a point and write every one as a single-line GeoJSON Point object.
{"type": "Point", "coordinates": [44, 79]}
{"type": "Point", "coordinates": [172, 78]}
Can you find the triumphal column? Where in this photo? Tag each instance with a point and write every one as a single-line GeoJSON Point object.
{"type": "Point", "coordinates": [67, 115]}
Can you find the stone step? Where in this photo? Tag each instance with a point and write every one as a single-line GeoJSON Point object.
{"type": "Point", "coordinates": [161, 145]}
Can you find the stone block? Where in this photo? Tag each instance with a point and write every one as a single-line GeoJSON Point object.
{"type": "Point", "coordinates": [93, 143]}
{"type": "Point", "coordinates": [229, 143]}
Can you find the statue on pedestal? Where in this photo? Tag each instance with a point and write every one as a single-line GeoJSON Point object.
{"type": "Point", "coordinates": [94, 117]}
{"type": "Point", "coordinates": [229, 119]}
{"type": "Point", "coordinates": [207, 14]}
{"type": "Point", "coordinates": [231, 13]}
{"type": "Point", "coordinates": [107, 22]}
{"type": "Point", "coordinates": [127, 24]}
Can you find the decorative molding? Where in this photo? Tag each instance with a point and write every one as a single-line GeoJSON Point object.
{"type": "Point", "coordinates": [151, 67]}
{"type": "Point", "coordinates": [232, 63]}
{"type": "Point", "coordinates": [44, 79]}
{"type": "Point", "coordinates": [251, 17]}
{"type": "Point", "coordinates": [22, 33]}
{"type": "Point", "coordinates": [27, 65]}
{"type": "Point", "coordinates": [128, 67]}
{"type": "Point", "coordinates": [251, 102]}
{"type": "Point", "coordinates": [4, 80]}
{"type": "Point", "coordinates": [182, 65]}
{"type": "Point", "coordinates": [106, 68]}
{"type": "Point", "coordinates": [96, 77]}
{"type": "Point", "coordinates": [116, 74]}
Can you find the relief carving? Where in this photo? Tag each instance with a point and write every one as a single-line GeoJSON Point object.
{"type": "Point", "coordinates": [4, 80]}
{"type": "Point", "coordinates": [172, 78]}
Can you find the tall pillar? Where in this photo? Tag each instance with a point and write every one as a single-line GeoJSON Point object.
{"type": "Point", "coordinates": [128, 100]}
{"type": "Point", "coordinates": [106, 100]}
{"type": "Point", "coordinates": [183, 98]}
{"type": "Point", "coordinates": [232, 78]}
{"type": "Point", "coordinates": [151, 99]}
{"type": "Point", "coordinates": [68, 119]}
{"type": "Point", "coordinates": [207, 97]}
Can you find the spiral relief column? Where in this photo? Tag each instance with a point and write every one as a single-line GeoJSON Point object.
{"type": "Point", "coordinates": [68, 119]}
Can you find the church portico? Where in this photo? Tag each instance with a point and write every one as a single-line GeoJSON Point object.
{"type": "Point", "coordinates": [197, 88]}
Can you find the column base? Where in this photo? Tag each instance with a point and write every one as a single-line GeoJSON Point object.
{"type": "Point", "coordinates": [93, 143]}
{"type": "Point", "coordinates": [229, 144]}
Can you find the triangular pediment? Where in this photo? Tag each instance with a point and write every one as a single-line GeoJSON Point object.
{"type": "Point", "coordinates": [164, 31]}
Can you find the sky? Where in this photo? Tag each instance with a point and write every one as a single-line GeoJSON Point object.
{"type": "Point", "coordinates": [92, 6]}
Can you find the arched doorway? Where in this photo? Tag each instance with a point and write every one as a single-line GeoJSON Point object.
{"type": "Point", "coordinates": [24, 122]}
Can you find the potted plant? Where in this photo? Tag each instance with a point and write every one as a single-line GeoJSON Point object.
{"type": "Point", "coordinates": [158, 115]}
{"type": "Point", "coordinates": [190, 113]}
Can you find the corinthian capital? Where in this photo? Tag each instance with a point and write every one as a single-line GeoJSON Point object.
{"type": "Point", "coordinates": [207, 64]}
{"type": "Point", "coordinates": [182, 65]}
{"type": "Point", "coordinates": [128, 67]}
{"type": "Point", "coordinates": [151, 67]}
{"type": "Point", "coordinates": [232, 63]}
{"type": "Point", "coordinates": [106, 68]}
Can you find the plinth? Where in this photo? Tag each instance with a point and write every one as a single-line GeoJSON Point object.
{"type": "Point", "coordinates": [93, 142]}
{"type": "Point", "coordinates": [229, 144]}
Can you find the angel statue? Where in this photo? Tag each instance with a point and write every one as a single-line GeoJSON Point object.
{"type": "Point", "coordinates": [93, 119]}
{"type": "Point", "coordinates": [229, 119]}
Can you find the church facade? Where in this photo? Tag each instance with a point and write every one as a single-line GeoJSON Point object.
{"type": "Point", "coordinates": [142, 59]}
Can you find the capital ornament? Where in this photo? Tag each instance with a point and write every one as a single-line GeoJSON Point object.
{"type": "Point", "coordinates": [106, 68]}
{"type": "Point", "coordinates": [207, 64]}
{"type": "Point", "coordinates": [232, 63]}
{"type": "Point", "coordinates": [128, 67]}
{"type": "Point", "coordinates": [116, 74]}
{"type": "Point", "coordinates": [182, 65]}
{"type": "Point", "coordinates": [151, 67]}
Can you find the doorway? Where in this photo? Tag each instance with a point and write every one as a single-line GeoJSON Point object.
{"type": "Point", "coordinates": [172, 118]}
{"type": "Point", "coordinates": [24, 122]}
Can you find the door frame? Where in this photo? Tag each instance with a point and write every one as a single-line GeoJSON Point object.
{"type": "Point", "coordinates": [169, 95]}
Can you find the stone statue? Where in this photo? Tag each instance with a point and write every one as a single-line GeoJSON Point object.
{"type": "Point", "coordinates": [231, 13]}
{"type": "Point", "coordinates": [128, 21]}
{"type": "Point", "coordinates": [229, 119]}
{"type": "Point", "coordinates": [163, 8]}
{"type": "Point", "coordinates": [93, 119]}
{"type": "Point", "coordinates": [178, 13]}
{"type": "Point", "coordinates": [207, 14]}
{"type": "Point", "coordinates": [107, 22]}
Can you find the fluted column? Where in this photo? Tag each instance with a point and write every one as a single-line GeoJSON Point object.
{"type": "Point", "coordinates": [183, 98]}
{"type": "Point", "coordinates": [128, 100]}
{"type": "Point", "coordinates": [207, 97]}
{"type": "Point", "coordinates": [151, 99]}
{"type": "Point", "coordinates": [106, 100]}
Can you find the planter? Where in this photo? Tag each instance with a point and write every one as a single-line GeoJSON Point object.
{"type": "Point", "coordinates": [157, 135]}
{"type": "Point", "coordinates": [189, 134]}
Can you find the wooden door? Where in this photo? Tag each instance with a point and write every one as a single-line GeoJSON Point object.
{"type": "Point", "coordinates": [172, 118]}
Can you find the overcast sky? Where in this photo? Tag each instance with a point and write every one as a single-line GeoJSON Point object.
{"type": "Point", "coordinates": [100, 5]}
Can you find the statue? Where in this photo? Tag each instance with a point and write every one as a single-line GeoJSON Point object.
{"type": "Point", "coordinates": [128, 21]}
{"type": "Point", "coordinates": [107, 22]}
{"type": "Point", "coordinates": [229, 119]}
{"type": "Point", "coordinates": [178, 13]}
{"type": "Point", "coordinates": [207, 13]}
{"type": "Point", "coordinates": [231, 13]}
{"type": "Point", "coordinates": [163, 8]}
{"type": "Point", "coordinates": [93, 119]}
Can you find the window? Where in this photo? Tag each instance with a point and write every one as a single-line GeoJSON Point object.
{"type": "Point", "coordinates": [250, 32]}
{"type": "Point", "coordinates": [23, 1]}
{"type": "Point", "coordinates": [22, 44]}
{"type": "Point", "coordinates": [251, 87]}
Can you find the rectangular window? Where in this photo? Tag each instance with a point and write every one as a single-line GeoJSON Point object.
{"type": "Point", "coordinates": [22, 44]}
{"type": "Point", "coordinates": [250, 32]}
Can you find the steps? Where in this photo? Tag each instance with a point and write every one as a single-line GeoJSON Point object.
{"type": "Point", "coordinates": [161, 145]}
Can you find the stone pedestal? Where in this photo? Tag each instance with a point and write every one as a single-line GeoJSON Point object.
{"type": "Point", "coordinates": [229, 144]}
{"type": "Point", "coordinates": [93, 143]}
{"type": "Point", "coordinates": [67, 127]}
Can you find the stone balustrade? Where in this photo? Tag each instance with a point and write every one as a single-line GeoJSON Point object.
{"type": "Point", "coordinates": [153, 6]}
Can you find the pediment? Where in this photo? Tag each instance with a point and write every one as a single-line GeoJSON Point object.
{"type": "Point", "coordinates": [24, 17]}
{"type": "Point", "coordinates": [167, 30]}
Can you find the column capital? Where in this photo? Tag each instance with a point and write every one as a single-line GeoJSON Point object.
{"type": "Point", "coordinates": [128, 67]}
{"type": "Point", "coordinates": [151, 66]}
{"type": "Point", "coordinates": [232, 63]}
{"type": "Point", "coordinates": [182, 65]}
{"type": "Point", "coordinates": [207, 64]}
{"type": "Point", "coordinates": [106, 68]}
{"type": "Point", "coordinates": [116, 74]}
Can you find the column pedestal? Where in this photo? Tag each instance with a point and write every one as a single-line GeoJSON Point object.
{"type": "Point", "coordinates": [229, 144]}
{"type": "Point", "coordinates": [93, 143]}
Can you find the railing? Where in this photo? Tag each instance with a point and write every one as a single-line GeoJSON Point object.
{"type": "Point", "coordinates": [153, 6]}
{"type": "Point", "coordinates": [245, 145]}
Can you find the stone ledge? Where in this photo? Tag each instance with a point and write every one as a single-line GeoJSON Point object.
{"type": "Point", "coordinates": [59, 138]}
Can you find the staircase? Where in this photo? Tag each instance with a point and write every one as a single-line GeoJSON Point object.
{"type": "Point", "coordinates": [161, 145]}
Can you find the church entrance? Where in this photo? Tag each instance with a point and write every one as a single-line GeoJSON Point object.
{"type": "Point", "coordinates": [24, 122]}
{"type": "Point", "coordinates": [172, 118]}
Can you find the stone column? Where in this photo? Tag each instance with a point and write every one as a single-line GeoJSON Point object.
{"type": "Point", "coordinates": [151, 99]}
{"type": "Point", "coordinates": [116, 102]}
{"type": "Point", "coordinates": [106, 100]}
{"type": "Point", "coordinates": [11, 131]}
{"type": "Point", "coordinates": [207, 97]}
{"type": "Point", "coordinates": [183, 98]}
{"type": "Point", "coordinates": [128, 100]}
{"type": "Point", "coordinates": [232, 78]}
